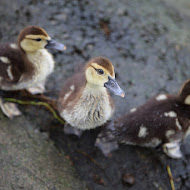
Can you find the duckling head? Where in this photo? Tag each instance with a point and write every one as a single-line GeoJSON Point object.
{"type": "Point", "coordinates": [33, 38]}
{"type": "Point", "coordinates": [100, 73]}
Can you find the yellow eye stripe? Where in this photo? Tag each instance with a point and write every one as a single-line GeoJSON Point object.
{"type": "Point", "coordinates": [33, 37]}
{"type": "Point", "coordinates": [97, 66]}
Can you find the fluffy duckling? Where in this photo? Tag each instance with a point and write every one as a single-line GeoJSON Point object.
{"type": "Point", "coordinates": [164, 119]}
{"type": "Point", "coordinates": [84, 101]}
{"type": "Point", "coordinates": [27, 64]}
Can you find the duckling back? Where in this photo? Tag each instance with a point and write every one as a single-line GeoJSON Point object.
{"type": "Point", "coordinates": [11, 64]}
{"type": "Point", "coordinates": [164, 119]}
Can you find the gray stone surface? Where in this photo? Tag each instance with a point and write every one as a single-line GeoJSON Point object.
{"type": "Point", "coordinates": [29, 160]}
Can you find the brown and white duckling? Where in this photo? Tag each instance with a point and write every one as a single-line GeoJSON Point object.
{"type": "Point", "coordinates": [84, 101]}
{"type": "Point", "coordinates": [27, 64]}
{"type": "Point", "coordinates": [164, 119]}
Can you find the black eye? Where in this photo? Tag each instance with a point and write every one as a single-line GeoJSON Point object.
{"type": "Point", "coordinates": [38, 39]}
{"type": "Point", "coordinates": [100, 71]}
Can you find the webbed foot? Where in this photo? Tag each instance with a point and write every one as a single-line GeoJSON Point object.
{"type": "Point", "coordinates": [40, 89]}
{"type": "Point", "coordinates": [106, 146]}
{"type": "Point", "coordinates": [106, 141]}
{"type": "Point", "coordinates": [69, 130]}
{"type": "Point", "coordinates": [172, 150]}
{"type": "Point", "coordinates": [9, 109]}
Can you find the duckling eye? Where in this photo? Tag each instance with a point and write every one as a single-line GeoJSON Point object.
{"type": "Point", "coordinates": [100, 71]}
{"type": "Point", "coordinates": [38, 39]}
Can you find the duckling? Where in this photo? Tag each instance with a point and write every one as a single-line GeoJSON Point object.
{"type": "Point", "coordinates": [27, 64]}
{"type": "Point", "coordinates": [164, 119]}
{"type": "Point", "coordinates": [84, 101]}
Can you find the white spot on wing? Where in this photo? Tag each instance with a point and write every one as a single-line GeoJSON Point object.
{"type": "Point", "coordinates": [72, 87]}
{"type": "Point", "coordinates": [153, 142]}
{"type": "Point", "coordinates": [69, 93]}
{"type": "Point", "coordinates": [169, 133]}
{"type": "Point", "coordinates": [9, 73]}
{"type": "Point", "coordinates": [133, 110]}
{"type": "Point", "coordinates": [187, 100]}
{"type": "Point", "coordinates": [170, 114]}
{"type": "Point", "coordinates": [4, 59]}
{"type": "Point", "coordinates": [142, 132]}
{"type": "Point", "coordinates": [14, 46]}
{"type": "Point", "coordinates": [178, 124]}
{"type": "Point", "coordinates": [161, 97]}
{"type": "Point", "coordinates": [127, 142]}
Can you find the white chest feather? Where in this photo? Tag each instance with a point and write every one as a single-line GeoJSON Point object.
{"type": "Point", "coordinates": [43, 63]}
{"type": "Point", "coordinates": [92, 110]}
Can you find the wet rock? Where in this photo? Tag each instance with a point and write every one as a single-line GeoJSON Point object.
{"type": "Point", "coordinates": [30, 161]}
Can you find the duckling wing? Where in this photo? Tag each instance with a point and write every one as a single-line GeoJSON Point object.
{"type": "Point", "coordinates": [11, 63]}
{"type": "Point", "coordinates": [72, 90]}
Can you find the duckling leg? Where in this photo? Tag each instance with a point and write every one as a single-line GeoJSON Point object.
{"type": "Point", "coordinates": [71, 130]}
{"type": "Point", "coordinates": [106, 146]}
{"type": "Point", "coordinates": [8, 108]}
{"type": "Point", "coordinates": [40, 89]}
{"type": "Point", "coordinates": [172, 150]}
{"type": "Point", "coordinates": [106, 141]}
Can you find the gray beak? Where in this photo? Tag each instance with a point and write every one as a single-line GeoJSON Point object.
{"type": "Point", "coordinates": [52, 44]}
{"type": "Point", "coordinates": [112, 86]}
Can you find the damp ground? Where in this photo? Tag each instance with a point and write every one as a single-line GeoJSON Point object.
{"type": "Point", "coordinates": [147, 42]}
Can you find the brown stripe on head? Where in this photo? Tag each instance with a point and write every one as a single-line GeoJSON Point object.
{"type": "Point", "coordinates": [105, 63]}
{"type": "Point", "coordinates": [31, 30]}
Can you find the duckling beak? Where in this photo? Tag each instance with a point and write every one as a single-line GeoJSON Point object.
{"type": "Point", "coordinates": [113, 86]}
{"type": "Point", "coordinates": [52, 44]}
